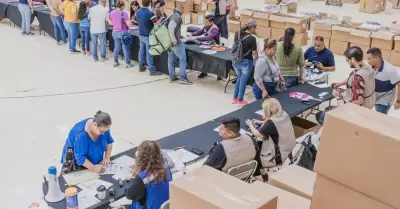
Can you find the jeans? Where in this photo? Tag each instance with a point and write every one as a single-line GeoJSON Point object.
{"type": "Point", "coordinates": [382, 108]}
{"type": "Point", "coordinates": [85, 38]}
{"type": "Point", "coordinates": [291, 81]}
{"type": "Point", "coordinates": [59, 28]}
{"type": "Point", "coordinates": [72, 29]}
{"type": "Point", "coordinates": [224, 26]}
{"type": "Point", "coordinates": [177, 51]}
{"type": "Point", "coordinates": [269, 86]}
{"type": "Point", "coordinates": [117, 35]}
{"type": "Point", "coordinates": [25, 11]}
{"type": "Point", "coordinates": [144, 54]}
{"type": "Point", "coordinates": [103, 43]}
{"type": "Point", "coordinates": [243, 70]}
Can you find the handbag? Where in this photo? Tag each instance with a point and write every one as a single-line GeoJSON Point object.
{"type": "Point", "coordinates": [278, 86]}
{"type": "Point", "coordinates": [126, 36]}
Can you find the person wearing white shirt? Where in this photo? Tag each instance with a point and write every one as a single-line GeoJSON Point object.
{"type": "Point", "coordinates": [98, 16]}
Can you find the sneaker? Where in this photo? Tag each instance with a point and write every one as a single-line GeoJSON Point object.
{"type": "Point", "coordinates": [156, 73]}
{"type": "Point", "coordinates": [95, 60]}
{"type": "Point", "coordinates": [104, 59]}
{"type": "Point", "coordinates": [23, 33]}
{"type": "Point", "coordinates": [173, 80]}
{"type": "Point", "coordinates": [242, 103]}
{"type": "Point", "coordinates": [31, 34]}
{"type": "Point", "coordinates": [84, 52]}
{"type": "Point", "coordinates": [116, 64]}
{"type": "Point", "coordinates": [202, 75]}
{"type": "Point", "coordinates": [234, 100]}
{"type": "Point", "coordinates": [129, 65]}
{"type": "Point", "coordinates": [75, 51]}
{"type": "Point", "coordinates": [185, 81]}
{"type": "Point", "coordinates": [142, 69]}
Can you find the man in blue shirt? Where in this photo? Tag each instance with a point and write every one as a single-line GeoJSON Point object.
{"type": "Point", "coordinates": [320, 56]}
{"type": "Point", "coordinates": [144, 18]}
{"type": "Point", "coordinates": [386, 79]}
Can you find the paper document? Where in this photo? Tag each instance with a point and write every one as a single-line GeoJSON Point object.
{"type": "Point", "coordinates": [241, 130]}
{"type": "Point", "coordinates": [185, 155]}
{"type": "Point", "coordinates": [123, 173]}
{"type": "Point", "coordinates": [111, 169]}
{"type": "Point", "coordinates": [86, 199]}
{"type": "Point", "coordinates": [124, 161]}
{"type": "Point", "coordinates": [260, 112]}
{"type": "Point", "coordinates": [78, 177]}
{"type": "Point", "coordinates": [93, 184]}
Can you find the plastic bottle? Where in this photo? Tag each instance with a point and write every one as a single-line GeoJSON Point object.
{"type": "Point", "coordinates": [71, 194]}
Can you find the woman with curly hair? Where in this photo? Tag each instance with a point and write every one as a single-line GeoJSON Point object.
{"type": "Point", "coordinates": [84, 27]}
{"type": "Point", "coordinates": [150, 186]}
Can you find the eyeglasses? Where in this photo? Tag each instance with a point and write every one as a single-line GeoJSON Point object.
{"type": "Point", "coordinates": [102, 129]}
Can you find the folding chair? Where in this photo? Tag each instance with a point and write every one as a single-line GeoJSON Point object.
{"type": "Point", "coordinates": [165, 205]}
{"type": "Point", "coordinates": [244, 171]}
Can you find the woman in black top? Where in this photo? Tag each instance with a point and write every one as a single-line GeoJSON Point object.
{"type": "Point", "coordinates": [243, 68]}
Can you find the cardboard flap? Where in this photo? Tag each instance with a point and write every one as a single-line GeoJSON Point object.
{"type": "Point", "coordinates": [277, 18]}
{"type": "Point", "coordinates": [341, 28]}
{"type": "Point", "coordinates": [293, 20]}
{"type": "Point", "coordinates": [246, 12]}
{"type": "Point", "coordinates": [360, 33]}
{"type": "Point", "coordinates": [383, 35]}
{"type": "Point", "coordinates": [261, 15]}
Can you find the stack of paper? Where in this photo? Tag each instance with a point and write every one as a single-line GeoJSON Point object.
{"type": "Point", "coordinates": [78, 177]}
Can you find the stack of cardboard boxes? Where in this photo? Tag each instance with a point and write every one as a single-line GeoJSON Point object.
{"type": "Point", "coordinates": [372, 6]}
{"type": "Point", "coordinates": [323, 30]}
{"type": "Point", "coordinates": [279, 22]}
{"type": "Point", "coordinates": [357, 164]}
{"type": "Point", "coordinates": [262, 19]}
{"type": "Point", "coordinates": [340, 39]}
{"type": "Point", "coordinates": [395, 54]}
{"type": "Point", "coordinates": [361, 38]}
{"type": "Point", "coordinates": [383, 41]}
{"type": "Point", "coordinates": [195, 10]}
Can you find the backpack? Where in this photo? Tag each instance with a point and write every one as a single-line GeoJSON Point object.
{"type": "Point", "coordinates": [307, 154]}
{"type": "Point", "coordinates": [159, 39]}
{"type": "Point", "coordinates": [237, 49]}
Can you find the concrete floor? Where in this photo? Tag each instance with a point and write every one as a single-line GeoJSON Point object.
{"type": "Point", "coordinates": [44, 91]}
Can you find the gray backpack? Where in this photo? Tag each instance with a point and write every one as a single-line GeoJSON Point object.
{"type": "Point", "coordinates": [237, 49]}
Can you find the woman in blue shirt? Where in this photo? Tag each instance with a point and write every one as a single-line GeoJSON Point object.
{"type": "Point", "coordinates": [150, 187]}
{"type": "Point", "coordinates": [90, 142]}
{"type": "Point", "coordinates": [84, 27]}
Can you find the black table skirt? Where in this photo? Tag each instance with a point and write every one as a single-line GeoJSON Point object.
{"type": "Point", "coordinates": [15, 16]}
{"type": "Point", "coordinates": [45, 22]}
{"type": "Point", "coordinates": [3, 9]}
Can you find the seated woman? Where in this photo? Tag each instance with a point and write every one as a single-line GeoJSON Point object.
{"type": "Point", "coordinates": [277, 134]}
{"type": "Point", "coordinates": [267, 72]}
{"type": "Point", "coordinates": [150, 187]}
{"type": "Point", "coordinates": [89, 144]}
{"type": "Point", "coordinates": [133, 8]}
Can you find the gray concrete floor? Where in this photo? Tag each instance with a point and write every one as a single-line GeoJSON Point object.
{"type": "Point", "coordinates": [44, 91]}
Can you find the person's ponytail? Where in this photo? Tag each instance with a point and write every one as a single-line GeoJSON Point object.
{"type": "Point", "coordinates": [244, 28]}
{"type": "Point", "coordinates": [288, 41]}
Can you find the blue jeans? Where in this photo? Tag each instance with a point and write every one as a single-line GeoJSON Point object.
{"type": "Point", "coordinates": [85, 38]}
{"type": "Point", "coordinates": [382, 108]}
{"type": "Point", "coordinates": [72, 29]}
{"type": "Point", "coordinates": [103, 45]}
{"type": "Point", "coordinates": [291, 81]}
{"type": "Point", "coordinates": [224, 29]}
{"type": "Point", "coordinates": [269, 86]}
{"type": "Point", "coordinates": [177, 51]}
{"type": "Point", "coordinates": [59, 28]}
{"type": "Point", "coordinates": [243, 70]}
{"type": "Point", "coordinates": [25, 11]}
{"type": "Point", "coordinates": [117, 35]}
{"type": "Point", "coordinates": [145, 55]}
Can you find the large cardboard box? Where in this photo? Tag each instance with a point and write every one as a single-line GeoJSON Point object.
{"type": "Point", "coordinates": [276, 21]}
{"type": "Point", "coordinates": [187, 4]}
{"type": "Point", "coordinates": [382, 40]}
{"type": "Point", "coordinates": [340, 33]}
{"type": "Point", "coordinates": [263, 32]}
{"type": "Point", "coordinates": [324, 30]}
{"type": "Point", "coordinates": [212, 189]}
{"type": "Point", "coordinates": [168, 11]}
{"type": "Point", "coordinates": [299, 24]}
{"type": "Point", "coordinates": [386, 54]}
{"type": "Point", "coordinates": [301, 38]}
{"type": "Point", "coordinates": [347, 156]}
{"type": "Point", "coordinates": [395, 58]}
{"type": "Point", "coordinates": [286, 200]}
{"type": "Point", "coordinates": [170, 4]}
{"type": "Point", "coordinates": [364, 49]}
{"type": "Point", "coordinates": [233, 25]}
{"type": "Point", "coordinates": [197, 18]}
{"type": "Point", "coordinates": [277, 33]}
{"type": "Point", "coordinates": [329, 194]}
{"type": "Point", "coordinates": [338, 47]}
{"type": "Point", "coordinates": [262, 18]}
{"type": "Point", "coordinates": [371, 6]}
{"type": "Point", "coordinates": [360, 37]}
{"type": "Point", "coordinates": [294, 179]}
{"type": "Point", "coordinates": [272, 2]}
{"type": "Point", "coordinates": [397, 43]}
{"type": "Point", "coordinates": [246, 15]}
{"type": "Point", "coordinates": [302, 126]}
{"type": "Point", "coordinates": [288, 8]}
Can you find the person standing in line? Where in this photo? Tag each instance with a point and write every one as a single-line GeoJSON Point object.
{"type": "Point", "coordinates": [25, 7]}
{"type": "Point", "coordinates": [291, 59]}
{"type": "Point", "coordinates": [133, 9]}
{"type": "Point", "coordinates": [84, 27]}
{"type": "Point", "coordinates": [120, 22]}
{"type": "Point", "coordinates": [387, 78]}
{"type": "Point", "coordinates": [229, 5]}
{"type": "Point", "coordinates": [98, 16]}
{"type": "Point", "coordinates": [144, 18]}
{"type": "Point", "coordinates": [178, 47]}
{"type": "Point", "coordinates": [71, 22]}
{"type": "Point", "coordinates": [243, 68]}
{"type": "Point", "coordinates": [56, 18]}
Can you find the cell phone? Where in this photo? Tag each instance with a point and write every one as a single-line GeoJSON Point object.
{"type": "Point", "coordinates": [340, 90]}
{"type": "Point", "coordinates": [314, 62]}
{"type": "Point", "coordinates": [197, 151]}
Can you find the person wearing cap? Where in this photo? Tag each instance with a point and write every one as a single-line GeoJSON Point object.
{"type": "Point", "coordinates": [90, 142]}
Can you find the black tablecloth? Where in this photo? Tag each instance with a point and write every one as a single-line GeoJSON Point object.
{"type": "Point", "coordinates": [290, 105]}
{"type": "Point", "coordinates": [45, 23]}
{"type": "Point", "coordinates": [3, 9]}
{"type": "Point", "coordinates": [15, 16]}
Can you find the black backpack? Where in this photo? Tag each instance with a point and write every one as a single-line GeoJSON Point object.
{"type": "Point", "coordinates": [307, 158]}
{"type": "Point", "coordinates": [237, 49]}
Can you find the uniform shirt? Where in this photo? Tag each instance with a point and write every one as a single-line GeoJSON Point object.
{"type": "Point", "coordinates": [325, 57]}
{"type": "Point", "coordinates": [249, 44]}
{"type": "Point", "coordinates": [84, 147]}
{"type": "Point", "coordinates": [98, 16]}
{"type": "Point", "coordinates": [386, 79]}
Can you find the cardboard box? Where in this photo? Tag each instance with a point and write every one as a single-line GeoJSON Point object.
{"type": "Point", "coordinates": [273, 2]}
{"type": "Point", "coordinates": [210, 6]}
{"type": "Point", "coordinates": [187, 4]}
{"type": "Point", "coordinates": [300, 25]}
{"type": "Point", "coordinates": [170, 4]}
{"type": "Point", "coordinates": [263, 32]}
{"type": "Point", "coordinates": [386, 54]}
{"type": "Point", "coordinates": [294, 179]}
{"type": "Point", "coordinates": [301, 38]}
{"type": "Point", "coordinates": [286, 200]}
{"type": "Point", "coordinates": [396, 43]}
{"type": "Point", "coordinates": [327, 41]}
{"type": "Point", "coordinates": [395, 58]}
{"type": "Point", "coordinates": [197, 18]}
{"type": "Point", "coordinates": [329, 194]}
{"type": "Point", "coordinates": [233, 25]}
{"type": "Point", "coordinates": [338, 47]}
{"type": "Point", "coordinates": [276, 21]}
{"type": "Point", "coordinates": [262, 18]}
{"type": "Point", "coordinates": [382, 40]}
{"type": "Point", "coordinates": [360, 37]}
{"type": "Point", "coordinates": [186, 18]}
{"type": "Point", "coordinates": [340, 33]}
{"type": "Point", "coordinates": [324, 30]}
{"type": "Point", "coordinates": [277, 33]}
{"type": "Point", "coordinates": [197, 2]}
{"type": "Point", "coordinates": [371, 6]}
{"type": "Point", "coordinates": [246, 15]}
{"type": "Point", "coordinates": [288, 8]}
{"type": "Point", "coordinates": [362, 130]}
{"type": "Point", "coordinates": [302, 126]}
{"type": "Point", "coordinates": [212, 189]}
{"type": "Point", "coordinates": [364, 49]}
{"type": "Point", "coordinates": [168, 11]}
